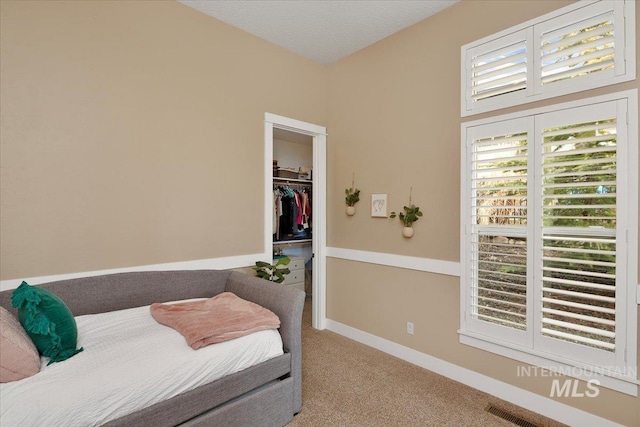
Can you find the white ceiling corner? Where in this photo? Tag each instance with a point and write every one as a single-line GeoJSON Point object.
{"type": "Point", "coordinates": [324, 31]}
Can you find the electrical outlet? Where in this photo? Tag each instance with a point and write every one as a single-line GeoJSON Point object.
{"type": "Point", "coordinates": [410, 328]}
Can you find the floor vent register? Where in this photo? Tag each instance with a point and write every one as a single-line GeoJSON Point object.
{"type": "Point", "coordinates": [509, 417]}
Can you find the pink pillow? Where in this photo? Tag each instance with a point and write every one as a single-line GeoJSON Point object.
{"type": "Point", "coordinates": [19, 357]}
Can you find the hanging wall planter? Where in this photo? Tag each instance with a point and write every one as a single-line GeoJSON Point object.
{"type": "Point", "coordinates": [352, 197]}
{"type": "Point", "coordinates": [410, 215]}
{"type": "Point", "coordinates": [407, 232]}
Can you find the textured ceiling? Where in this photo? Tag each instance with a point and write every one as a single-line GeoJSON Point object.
{"type": "Point", "coordinates": [322, 30]}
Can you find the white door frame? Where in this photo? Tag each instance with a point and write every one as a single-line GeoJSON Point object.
{"type": "Point", "coordinates": [319, 208]}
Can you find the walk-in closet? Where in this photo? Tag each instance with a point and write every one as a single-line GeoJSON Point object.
{"type": "Point", "coordinates": [293, 205]}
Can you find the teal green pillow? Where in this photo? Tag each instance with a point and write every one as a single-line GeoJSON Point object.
{"type": "Point", "coordinates": [48, 322]}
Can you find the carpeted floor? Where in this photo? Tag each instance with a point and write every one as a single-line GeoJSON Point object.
{"type": "Point", "coordinates": [345, 383]}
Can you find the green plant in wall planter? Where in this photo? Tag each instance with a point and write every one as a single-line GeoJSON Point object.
{"type": "Point", "coordinates": [273, 272]}
{"type": "Point", "coordinates": [352, 197]}
{"type": "Point", "coordinates": [410, 215]}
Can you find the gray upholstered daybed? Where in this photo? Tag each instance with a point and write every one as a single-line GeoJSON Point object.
{"type": "Point", "coordinates": [267, 394]}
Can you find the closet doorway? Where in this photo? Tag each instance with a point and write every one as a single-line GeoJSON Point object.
{"type": "Point", "coordinates": [300, 173]}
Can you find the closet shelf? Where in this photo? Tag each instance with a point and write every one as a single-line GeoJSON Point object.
{"type": "Point", "coordinates": [306, 181]}
{"type": "Point", "coordinates": [292, 242]}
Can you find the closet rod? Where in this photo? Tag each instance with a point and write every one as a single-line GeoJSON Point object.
{"type": "Point", "coordinates": [291, 184]}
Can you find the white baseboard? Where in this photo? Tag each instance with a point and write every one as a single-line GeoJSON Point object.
{"type": "Point", "coordinates": [224, 263]}
{"type": "Point", "coordinates": [448, 268]}
{"type": "Point", "coordinates": [526, 399]}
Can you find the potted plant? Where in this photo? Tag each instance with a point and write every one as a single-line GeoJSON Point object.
{"type": "Point", "coordinates": [273, 272]}
{"type": "Point", "coordinates": [410, 215]}
{"type": "Point", "coordinates": [353, 197]}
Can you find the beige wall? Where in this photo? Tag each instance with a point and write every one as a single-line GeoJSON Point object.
{"type": "Point", "coordinates": [394, 120]}
{"type": "Point", "coordinates": [290, 154]}
{"type": "Point", "coordinates": [132, 133]}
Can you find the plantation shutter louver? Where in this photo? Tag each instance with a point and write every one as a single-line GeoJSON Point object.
{"type": "Point", "coordinates": [585, 49]}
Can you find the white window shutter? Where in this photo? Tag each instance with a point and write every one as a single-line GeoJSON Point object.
{"type": "Point", "coordinates": [497, 182]}
{"type": "Point", "coordinates": [583, 47]}
{"type": "Point", "coordinates": [580, 269]}
{"type": "Point", "coordinates": [498, 70]}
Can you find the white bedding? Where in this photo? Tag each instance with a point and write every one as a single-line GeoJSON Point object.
{"type": "Point", "coordinates": [129, 362]}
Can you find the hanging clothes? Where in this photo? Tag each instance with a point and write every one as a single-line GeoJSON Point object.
{"type": "Point", "coordinates": [286, 219]}
{"type": "Point", "coordinates": [306, 209]}
{"type": "Point", "coordinates": [292, 209]}
{"type": "Point", "coordinates": [275, 214]}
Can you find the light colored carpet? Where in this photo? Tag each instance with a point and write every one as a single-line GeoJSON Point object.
{"type": "Point", "coordinates": [345, 383]}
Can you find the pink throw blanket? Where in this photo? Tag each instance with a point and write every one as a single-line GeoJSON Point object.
{"type": "Point", "coordinates": [221, 318]}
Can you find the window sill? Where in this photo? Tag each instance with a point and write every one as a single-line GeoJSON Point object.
{"type": "Point", "coordinates": [554, 366]}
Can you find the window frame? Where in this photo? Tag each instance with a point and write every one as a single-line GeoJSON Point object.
{"type": "Point", "coordinates": [532, 29]}
{"type": "Point", "coordinates": [622, 375]}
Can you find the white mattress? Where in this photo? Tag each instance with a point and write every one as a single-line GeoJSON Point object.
{"type": "Point", "coordinates": [129, 362]}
